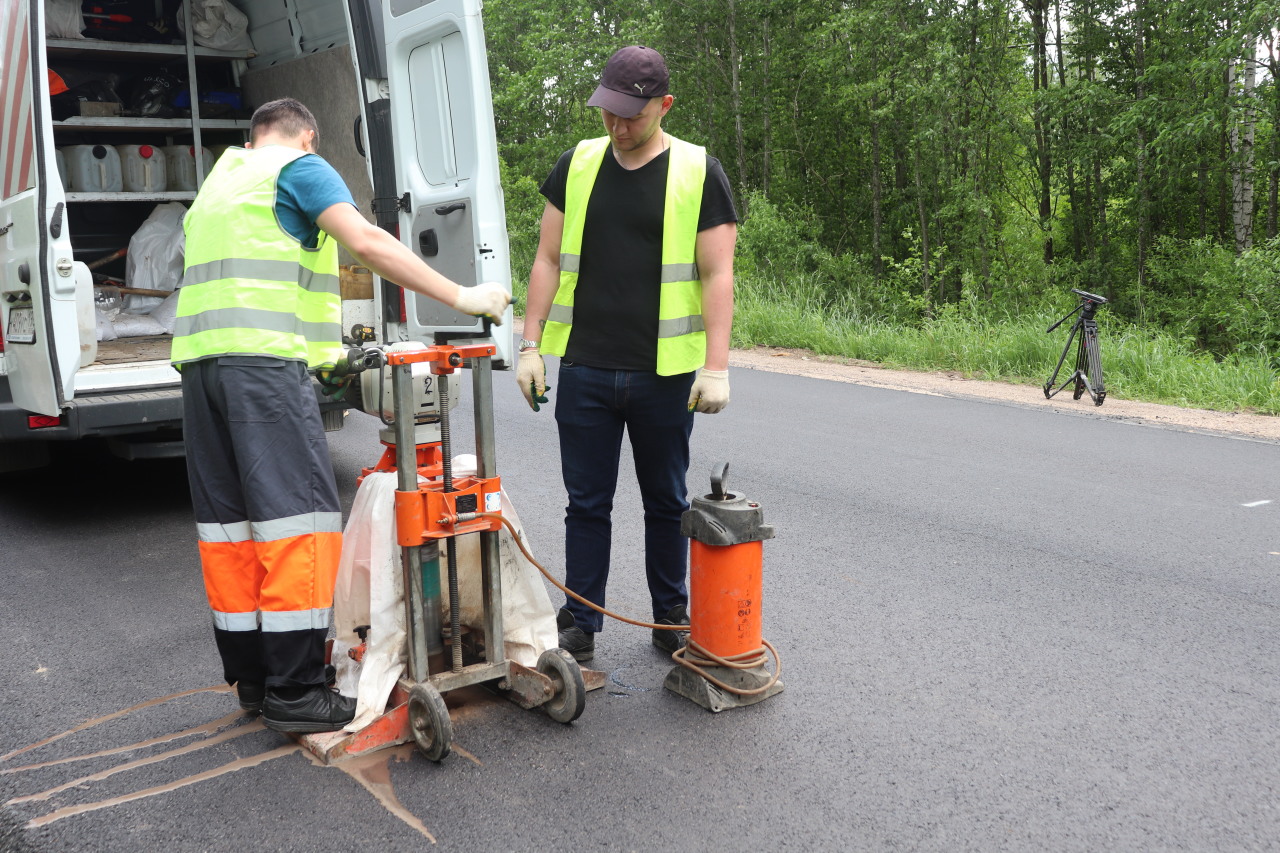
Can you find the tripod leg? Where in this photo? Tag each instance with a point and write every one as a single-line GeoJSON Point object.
{"type": "Point", "coordinates": [1094, 367]}
{"type": "Point", "coordinates": [1048, 386]}
{"type": "Point", "coordinates": [1082, 362]}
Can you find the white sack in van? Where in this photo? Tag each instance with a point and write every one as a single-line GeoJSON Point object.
{"type": "Point", "coordinates": [136, 325]}
{"type": "Point", "coordinates": [219, 25]}
{"type": "Point", "coordinates": [63, 19]}
{"type": "Point", "coordinates": [106, 329]}
{"type": "Point", "coordinates": [106, 306]}
{"type": "Point", "coordinates": [166, 313]}
{"type": "Point", "coordinates": [155, 257]}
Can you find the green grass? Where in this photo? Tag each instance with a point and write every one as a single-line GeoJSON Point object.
{"type": "Point", "coordinates": [1139, 364]}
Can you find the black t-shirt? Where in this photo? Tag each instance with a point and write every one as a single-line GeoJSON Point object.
{"type": "Point", "coordinates": [615, 306]}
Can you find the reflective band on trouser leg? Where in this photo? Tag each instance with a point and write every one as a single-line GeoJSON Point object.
{"type": "Point", "coordinates": [232, 576]}
{"type": "Point", "coordinates": [256, 449]}
{"type": "Point", "coordinates": [297, 602]}
{"type": "Point", "coordinates": [294, 513]}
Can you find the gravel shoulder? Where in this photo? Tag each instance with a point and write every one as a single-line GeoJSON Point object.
{"type": "Point", "coordinates": [949, 384]}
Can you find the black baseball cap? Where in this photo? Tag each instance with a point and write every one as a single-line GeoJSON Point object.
{"type": "Point", "coordinates": [631, 77]}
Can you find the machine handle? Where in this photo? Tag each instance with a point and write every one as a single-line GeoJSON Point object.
{"type": "Point", "coordinates": [718, 476]}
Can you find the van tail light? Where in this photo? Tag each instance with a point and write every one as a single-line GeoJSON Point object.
{"type": "Point", "coordinates": [43, 421]}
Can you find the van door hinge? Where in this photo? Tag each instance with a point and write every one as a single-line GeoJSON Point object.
{"type": "Point", "coordinates": [390, 205]}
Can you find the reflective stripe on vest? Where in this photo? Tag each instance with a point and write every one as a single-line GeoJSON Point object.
{"type": "Point", "coordinates": [253, 289]}
{"type": "Point", "coordinates": [682, 339]}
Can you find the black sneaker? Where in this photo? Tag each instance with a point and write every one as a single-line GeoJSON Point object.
{"type": "Point", "coordinates": [667, 640]}
{"type": "Point", "coordinates": [251, 694]}
{"type": "Point", "coordinates": [318, 710]}
{"type": "Point", "coordinates": [573, 639]}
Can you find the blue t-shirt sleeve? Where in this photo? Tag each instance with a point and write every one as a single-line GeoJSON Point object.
{"type": "Point", "coordinates": [307, 188]}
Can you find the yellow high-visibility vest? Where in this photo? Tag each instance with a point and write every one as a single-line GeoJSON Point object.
{"type": "Point", "coordinates": [682, 337]}
{"type": "Point", "coordinates": [252, 288]}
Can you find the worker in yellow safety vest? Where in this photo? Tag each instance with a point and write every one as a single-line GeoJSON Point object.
{"type": "Point", "coordinates": [632, 287]}
{"type": "Point", "coordinates": [258, 310]}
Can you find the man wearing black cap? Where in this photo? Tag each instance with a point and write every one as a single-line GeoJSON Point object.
{"type": "Point", "coordinates": [633, 287]}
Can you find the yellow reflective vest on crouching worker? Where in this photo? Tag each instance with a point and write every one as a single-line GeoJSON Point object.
{"type": "Point", "coordinates": [251, 288]}
{"type": "Point", "coordinates": [682, 339]}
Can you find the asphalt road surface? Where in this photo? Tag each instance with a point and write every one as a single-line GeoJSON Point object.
{"type": "Point", "coordinates": [1002, 628]}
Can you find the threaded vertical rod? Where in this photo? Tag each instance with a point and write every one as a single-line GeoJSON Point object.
{"type": "Point", "coordinates": [446, 464]}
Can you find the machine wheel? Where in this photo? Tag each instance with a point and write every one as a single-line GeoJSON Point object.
{"type": "Point", "coordinates": [570, 697]}
{"type": "Point", "coordinates": [429, 721]}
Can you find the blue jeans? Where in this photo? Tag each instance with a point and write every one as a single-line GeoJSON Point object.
{"type": "Point", "coordinates": [593, 407]}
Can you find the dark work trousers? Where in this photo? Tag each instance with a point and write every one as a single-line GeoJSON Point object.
{"type": "Point", "coordinates": [593, 408]}
{"type": "Point", "coordinates": [267, 514]}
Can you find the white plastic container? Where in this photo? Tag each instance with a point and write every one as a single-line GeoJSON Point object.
{"type": "Point", "coordinates": [181, 163]}
{"type": "Point", "coordinates": [86, 314]}
{"type": "Point", "coordinates": [60, 163]}
{"type": "Point", "coordinates": [144, 168]}
{"type": "Point", "coordinates": [93, 169]}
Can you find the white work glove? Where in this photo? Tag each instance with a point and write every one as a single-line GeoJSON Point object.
{"type": "Point", "coordinates": [531, 376]}
{"type": "Point", "coordinates": [489, 300]}
{"type": "Point", "coordinates": [710, 391]}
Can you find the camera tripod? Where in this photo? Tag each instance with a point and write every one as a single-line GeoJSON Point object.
{"type": "Point", "coordinates": [1088, 373]}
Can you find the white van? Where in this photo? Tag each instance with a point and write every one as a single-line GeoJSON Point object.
{"type": "Point", "coordinates": [400, 89]}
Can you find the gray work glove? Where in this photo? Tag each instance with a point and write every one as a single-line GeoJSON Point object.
{"type": "Point", "coordinates": [710, 391]}
{"type": "Point", "coordinates": [531, 376]}
{"type": "Point", "coordinates": [488, 300]}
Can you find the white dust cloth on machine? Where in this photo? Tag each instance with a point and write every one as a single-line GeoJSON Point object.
{"type": "Point", "coordinates": [370, 591]}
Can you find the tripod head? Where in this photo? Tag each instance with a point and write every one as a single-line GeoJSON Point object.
{"type": "Point", "coordinates": [1089, 302]}
{"type": "Point", "coordinates": [1090, 297]}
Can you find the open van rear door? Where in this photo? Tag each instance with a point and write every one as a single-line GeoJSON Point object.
{"type": "Point", "coordinates": [428, 119]}
{"type": "Point", "coordinates": [37, 276]}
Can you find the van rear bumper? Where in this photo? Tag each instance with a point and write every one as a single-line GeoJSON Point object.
{"type": "Point", "coordinates": [103, 415]}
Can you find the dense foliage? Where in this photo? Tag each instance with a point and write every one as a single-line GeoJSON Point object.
{"type": "Point", "coordinates": [901, 161]}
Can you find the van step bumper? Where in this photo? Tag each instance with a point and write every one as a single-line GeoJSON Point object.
{"type": "Point", "coordinates": [99, 415]}
{"type": "Point", "coordinates": [137, 411]}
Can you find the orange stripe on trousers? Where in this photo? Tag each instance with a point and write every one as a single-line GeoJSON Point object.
{"type": "Point", "coordinates": [232, 575]}
{"type": "Point", "coordinates": [300, 571]}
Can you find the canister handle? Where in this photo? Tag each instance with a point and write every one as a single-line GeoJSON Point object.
{"type": "Point", "coordinates": [718, 476]}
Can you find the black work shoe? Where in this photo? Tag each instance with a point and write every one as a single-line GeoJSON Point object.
{"type": "Point", "coordinates": [573, 639]}
{"type": "Point", "coordinates": [251, 694]}
{"type": "Point", "coordinates": [319, 710]}
{"type": "Point", "coordinates": [667, 640]}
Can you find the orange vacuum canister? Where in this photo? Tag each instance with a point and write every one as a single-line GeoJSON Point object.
{"type": "Point", "coordinates": [723, 664]}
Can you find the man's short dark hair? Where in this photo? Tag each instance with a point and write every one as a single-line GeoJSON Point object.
{"type": "Point", "coordinates": [285, 116]}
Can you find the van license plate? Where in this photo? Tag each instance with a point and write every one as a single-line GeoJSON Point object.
{"type": "Point", "coordinates": [22, 326]}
